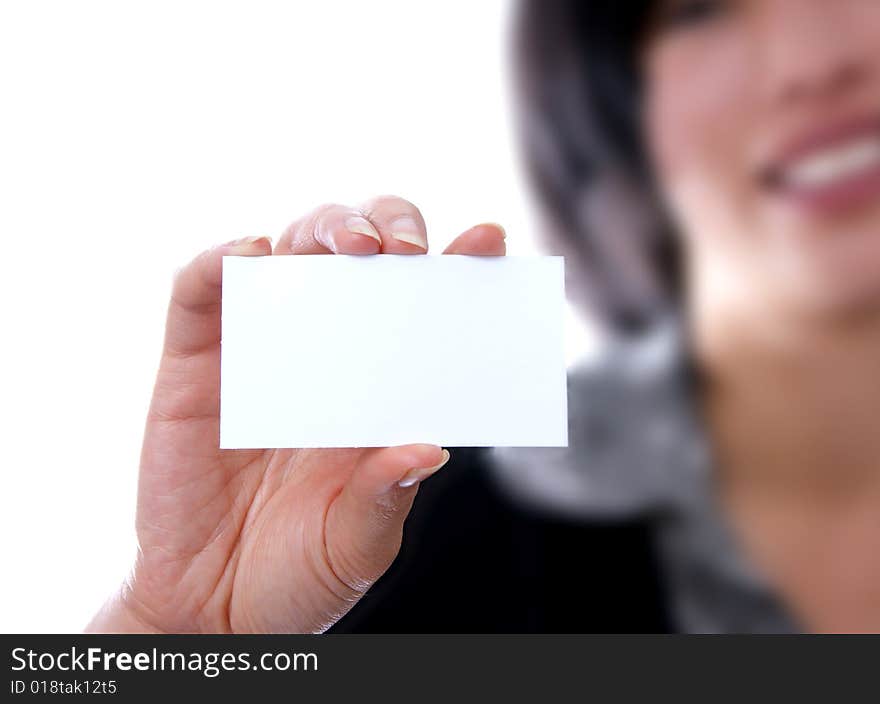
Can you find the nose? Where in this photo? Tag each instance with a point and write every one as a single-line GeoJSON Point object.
{"type": "Point", "coordinates": [812, 50]}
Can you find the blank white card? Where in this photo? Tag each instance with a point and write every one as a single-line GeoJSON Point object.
{"type": "Point", "coordinates": [348, 351]}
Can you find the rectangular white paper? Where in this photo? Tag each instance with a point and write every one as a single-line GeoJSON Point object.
{"type": "Point", "coordinates": [348, 351]}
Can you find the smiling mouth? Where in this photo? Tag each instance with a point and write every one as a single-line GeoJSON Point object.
{"type": "Point", "coordinates": [830, 171]}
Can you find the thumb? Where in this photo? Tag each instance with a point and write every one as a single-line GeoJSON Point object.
{"type": "Point", "coordinates": [364, 523]}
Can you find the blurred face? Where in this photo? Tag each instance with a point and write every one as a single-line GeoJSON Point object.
{"type": "Point", "coordinates": [763, 118]}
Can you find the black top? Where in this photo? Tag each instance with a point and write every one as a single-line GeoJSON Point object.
{"type": "Point", "coordinates": [472, 561]}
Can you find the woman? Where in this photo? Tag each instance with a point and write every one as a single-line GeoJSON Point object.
{"type": "Point", "coordinates": [711, 170]}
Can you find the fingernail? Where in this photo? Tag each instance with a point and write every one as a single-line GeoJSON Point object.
{"type": "Point", "coordinates": [362, 226]}
{"type": "Point", "coordinates": [414, 476]}
{"type": "Point", "coordinates": [498, 227]}
{"type": "Point", "coordinates": [406, 229]}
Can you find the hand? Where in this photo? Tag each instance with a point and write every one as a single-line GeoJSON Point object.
{"type": "Point", "coordinates": [264, 540]}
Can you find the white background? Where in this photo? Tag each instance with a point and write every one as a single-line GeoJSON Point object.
{"type": "Point", "coordinates": [132, 135]}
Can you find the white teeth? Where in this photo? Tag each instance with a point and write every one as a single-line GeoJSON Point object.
{"type": "Point", "coordinates": [835, 164]}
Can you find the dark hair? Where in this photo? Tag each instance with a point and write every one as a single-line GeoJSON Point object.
{"type": "Point", "coordinates": [578, 90]}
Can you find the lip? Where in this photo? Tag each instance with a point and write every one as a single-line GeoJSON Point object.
{"type": "Point", "coordinates": [844, 194]}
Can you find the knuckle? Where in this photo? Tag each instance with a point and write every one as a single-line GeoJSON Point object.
{"type": "Point", "coordinates": [389, 204]}
{"type": "Point", "coordinates": [325, 209]}
{"type": "Point", "coordinates": [308, 224]}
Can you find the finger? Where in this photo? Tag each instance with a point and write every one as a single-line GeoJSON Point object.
{"type": "Point", "coordinates": [330, 229]}
{"type": "Point", "coordinates": [487, 239]}
{"type": "Point", "coordinates": [400, 224]}
{"type": "Point", "coordinates": [365, 522]}
{"type": "Point", "coordinates": [193, 322]}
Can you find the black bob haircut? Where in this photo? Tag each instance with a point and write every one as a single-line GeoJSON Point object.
{"type": "Point", "coordinates": [578, 90]}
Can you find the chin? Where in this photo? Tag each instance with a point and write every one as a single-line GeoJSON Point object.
{"type": "Point", "coordinates": [840, 274]}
